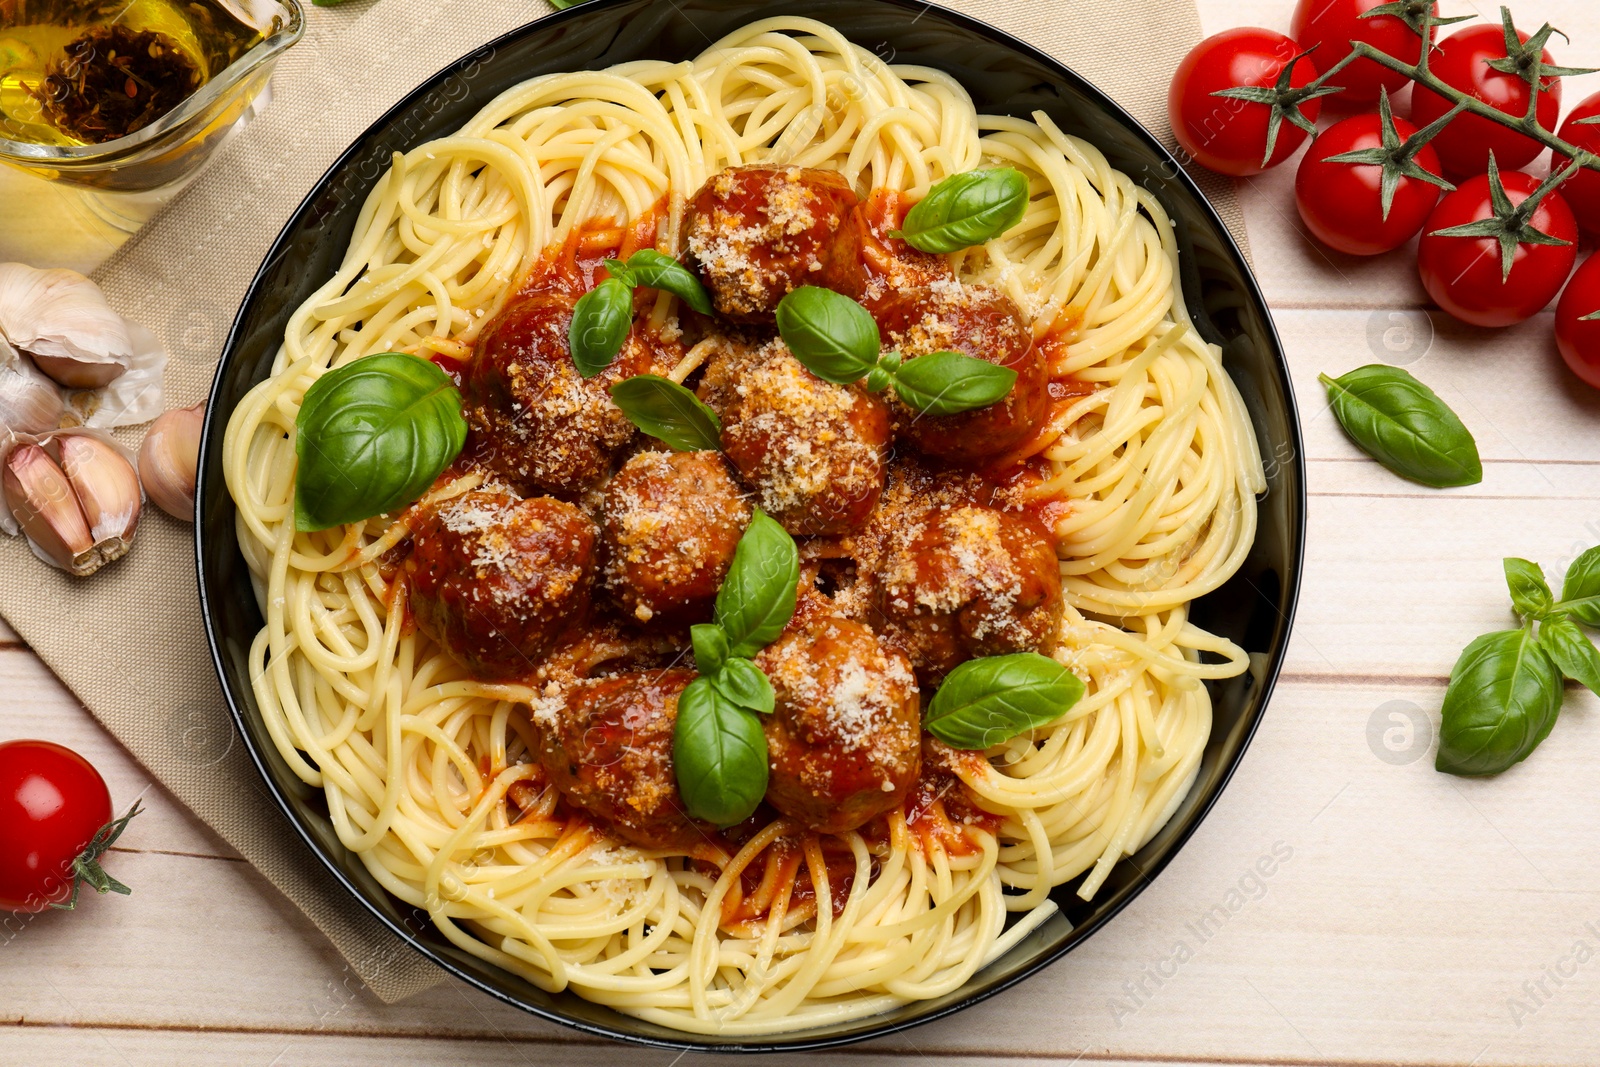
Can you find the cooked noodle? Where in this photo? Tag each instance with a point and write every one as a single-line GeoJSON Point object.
{"type": "Point", "coordinates": [1158, 467]}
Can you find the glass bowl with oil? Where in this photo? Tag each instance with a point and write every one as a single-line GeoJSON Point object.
{"type": "Point", "coordinates": [132, 95]}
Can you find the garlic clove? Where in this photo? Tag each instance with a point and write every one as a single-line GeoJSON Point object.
{"type": "Point", "coordinates": [76, 374]}
{"type": "Point", "coordinates": [168, 460]}
{"type": "Point", "coordinates": [107, 488]}
{"type": "Point", "coordinates": [41, 499]}
{"type": "Point", "coordinates": [62, 319]}
{"type": "Point", "coordinates": [135, 397]}
{"type": "Point", "coordinates": [29, 402]}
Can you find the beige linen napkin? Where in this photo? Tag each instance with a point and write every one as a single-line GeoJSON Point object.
{"type": "Point", "coordinates": [128, 641]}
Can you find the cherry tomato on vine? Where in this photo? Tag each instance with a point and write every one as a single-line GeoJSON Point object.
{"type": "Point", "coordinates": [1582, 190]}
{"type": "Point", "coordinates": [1342, 202]}
{"type": "Point", "coordinates": [1466, 275]}
{"type": "Point", "coordinates": [55, 823]}
{"type": "Point", "coordinates": [1578, 322]}
{"type": "Point", "coordinates": [1330, 25]}
{"type": "Point", "coordinates": [1229, 134]}
{"type": "Point", "coordinates": [1462, 61]}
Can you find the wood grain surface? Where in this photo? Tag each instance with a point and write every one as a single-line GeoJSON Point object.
{"type": "Point", "coordinates": [1408, 917]}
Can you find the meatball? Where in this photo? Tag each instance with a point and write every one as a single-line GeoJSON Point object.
{"type": "Point", "coordinates": [537, 423]}
{"type": "Point", "coordinates": [758, 232]}
{"type": "Point", "coordinates": [606, 745]}
{"type": "Point", "coordinates": [867, 265]}
{"type": "Point", "coordinates": [844, 740]}
{"type": "Point", "coordinates": [672, 522]}
{"type": "Point", "coordinates": [812, 451]}
{"type": "Point", "coordinates": [497, 581]}
{"type": "Point", "coordinates": [957, 582]}
{"type": "Point", "coordinates": [979, 322]}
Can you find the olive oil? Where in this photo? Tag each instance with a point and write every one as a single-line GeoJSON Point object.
{"type": "Point", "coordinates": [74, 72]}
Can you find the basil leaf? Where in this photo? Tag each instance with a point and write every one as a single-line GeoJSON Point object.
{"type": "Point", "coordinates": [757, 598]}
{"type": "Point", "coordinates": [834, 337]}
{"type": "Point", "coordinates": [600, 323]}
{"type": "Point", "coordinates": [1530, 595]}
{"type": "Point", "coordinates": [1503, 699]}
{"type": "Point", "coordinates": [373, 435]}
{"type": "Point", "coordinates": [1404, 425]}
{"type": "Point", "coordinates": [986, 701]}
{"type": "Point", "coordinates": [710, 647]}
{"type": "Point", "coordinates": [668, 412]}
{"type": "Point", "coordinates": [1580, 589]}
{"type": "Point", "coordinates": [1572, 651]}
{"type": "Point", "coordinates": [743, 683]}
{"type": "Point", "coordinates": [719, 756]}
{"type": "Point", "coordinates": [657, 270]}
{"type": "Point", "coordinates": [966, 209]}
{"type": "Point", "coordinates": [946, 383]}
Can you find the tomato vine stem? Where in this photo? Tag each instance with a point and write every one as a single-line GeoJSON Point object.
{"type": "Point", "coordinates": [1527, 124]}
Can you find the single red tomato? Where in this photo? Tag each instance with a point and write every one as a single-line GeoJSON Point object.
{"type": "Point", "coordinates": [1462, 61]}
{"type": "Point", "coordinates": [53, 804]}
{"type": "Point", "coordinates": [1330, 25]}
{"type": "Point", "coordinates": [1342, 203]}
{"type": "Point", "coordinates": [1464, 274]}
{"type": "Point", "coordinates": [1578, 322]}
{"type": "Point", "coordinates": [1228, 134]}
{"type": "Point", "coordinates": [1582, 190]}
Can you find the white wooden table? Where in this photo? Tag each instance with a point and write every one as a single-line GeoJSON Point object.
{"type": "Point", "coordinates": [1419, 918]}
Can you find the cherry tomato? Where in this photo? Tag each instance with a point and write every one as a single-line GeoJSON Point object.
{"type": "Point", "coordinates": [1463, 274]}
{"type": "Point", "coordinates": [1582, 190]}
{"type": "Point", "coordinates": [52, 804]}
{"type": "Point", "coordinates": [1330, 25]}
{"type": "Point", "coordinates": [1342, 203]}
{"type": "Point", "coordinates": [1230, 135]}
{"type": "Point", "coordinates": [1462, 61]}
{"type": "Point", "coordinates": [1577, 336]}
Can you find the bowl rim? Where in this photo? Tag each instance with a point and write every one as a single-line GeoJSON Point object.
{"type": "Point", "coordinates": [797, 1041]}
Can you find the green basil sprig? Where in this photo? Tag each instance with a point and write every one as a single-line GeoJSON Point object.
{"type": "Point", "coordinates": [1530, 595]}
{"type": "Point", "coordinates": [657, 270]}
{"type": "Point", "coordinates": [1505, 691]}
{"type": "Point", "coordinates": [719, 753]}
{"type": "Point", "coordinates": [986, 701]}
{"type": "Point", "coordinates": [757, 598]}
{"type": "Point", "coordinates": [836, 339]}
{"type": "Point", "coordinates": [1503, 699]}
{"type": "Point", "coordinates": [600, 323]}
{"type": "Point", "coordinates": [668, 412]}
{"type": "Point", "coordinates": [1571, 650]}
{"type": "Point", "coordinates": [603, 316]}
{"type": "Point", "coordinates": [1404, 425]}
{"type": "Point", "coordinates": [1580, 589]}
{"type": "Point", "coordinates": [371, 436]}
{"type": "Point", "coordinates": [966, 209]}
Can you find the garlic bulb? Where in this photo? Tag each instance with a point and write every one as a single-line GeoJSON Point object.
{"type": "Point", "coordinates": [75, 496]}
{"type": "Point", "coordinates": [29, 402]}
{"type": "Point", "coordinates": [168, 459]}
{"type": "Point", "coordinates": [62, 320]}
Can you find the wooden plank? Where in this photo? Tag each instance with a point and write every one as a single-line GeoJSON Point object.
{"type": "Point", "coordinates": [1331, 954]}
{"type": "Point", "coordinates": [1399, 585]}
{"type": "Point", "coordinates": [45, 1047]}
{"type": "Point", "coordinates": [1510, 388]}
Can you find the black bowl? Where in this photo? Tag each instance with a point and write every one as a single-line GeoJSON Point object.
{"type": "Point", "coordinates": [1003, 75]}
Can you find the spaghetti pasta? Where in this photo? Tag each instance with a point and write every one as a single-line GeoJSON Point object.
{"type": "Point", "coordinates": [1150, 457]}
